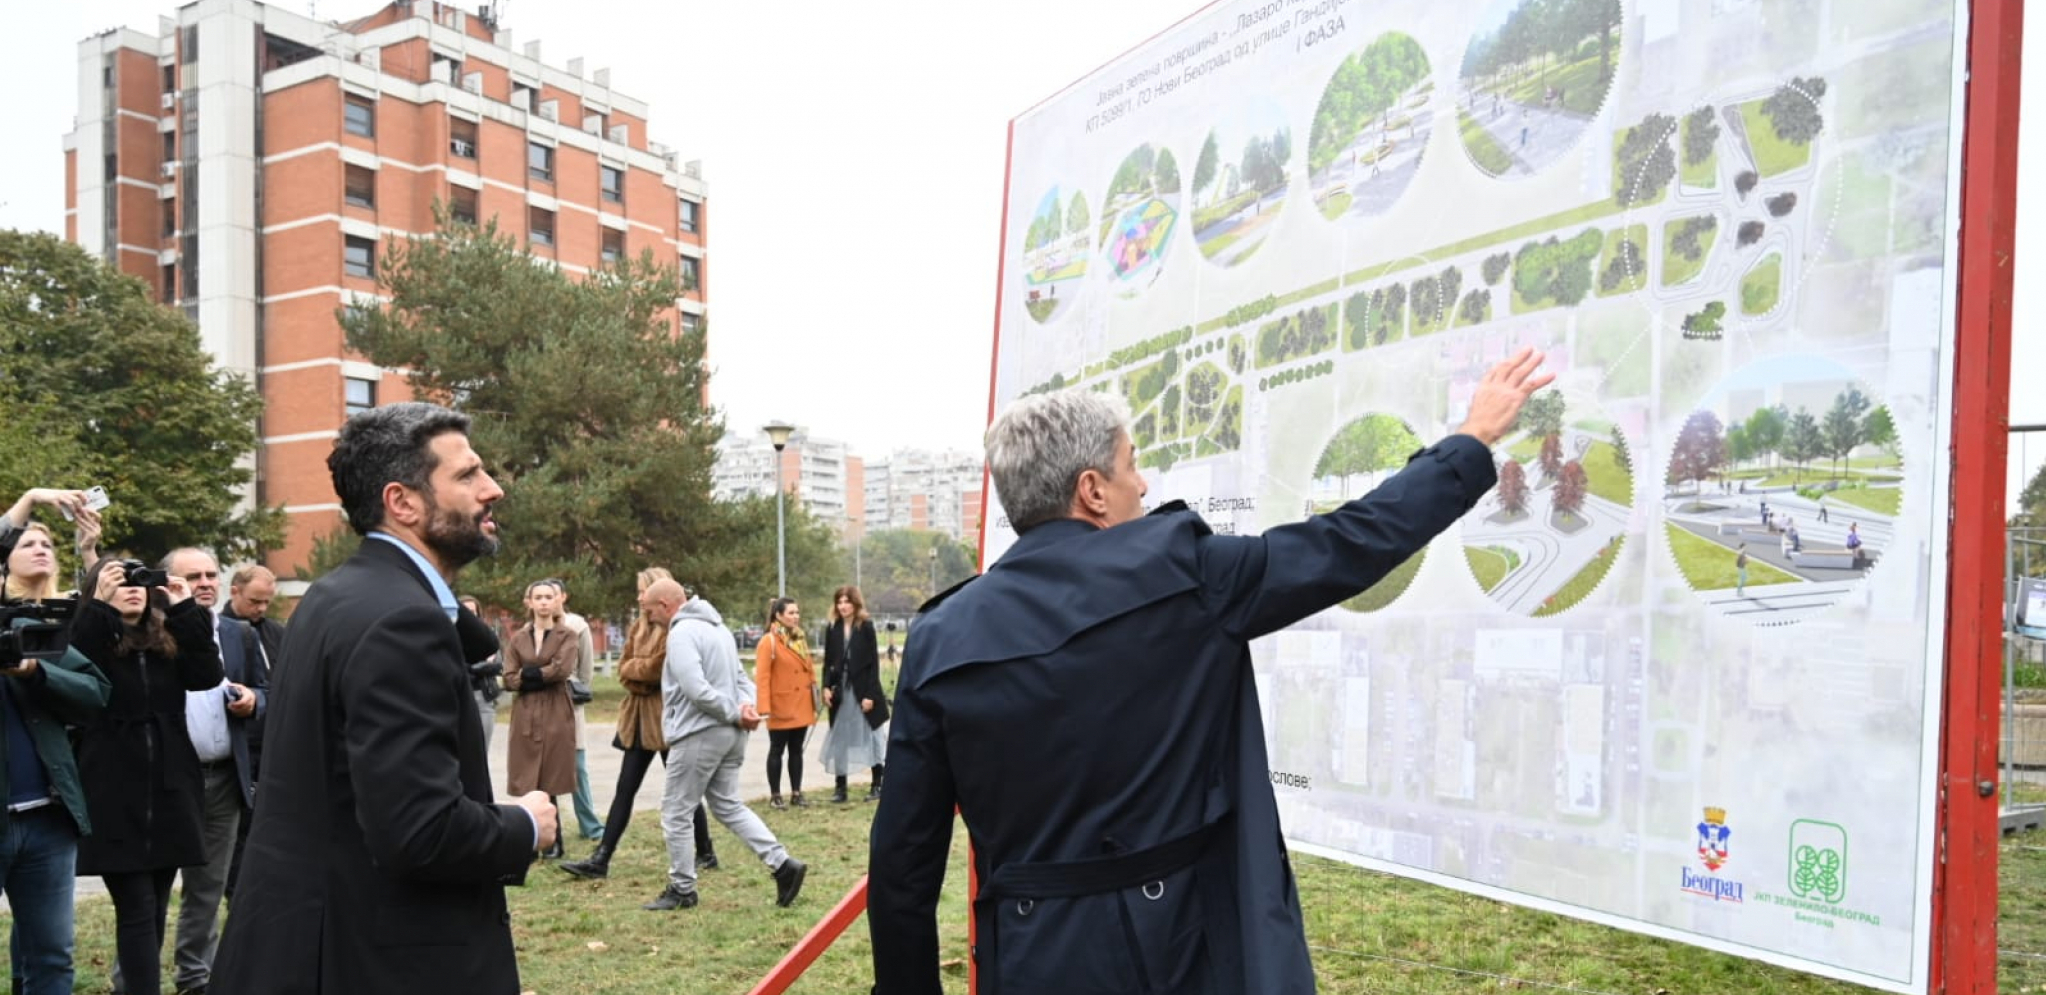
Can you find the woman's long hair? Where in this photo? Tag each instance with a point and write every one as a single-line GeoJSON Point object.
{"type": "Point", "coordinates": [852, 594]}
{"type": "Point", "coordinates": [642, 624]}
{"type": "Point", "coordinates": [18, 589]}
{"type": "Point", "coordinates": [145, 635]}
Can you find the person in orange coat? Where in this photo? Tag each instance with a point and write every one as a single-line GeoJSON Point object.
{"type": "Point", "coordinates": [787, 683]}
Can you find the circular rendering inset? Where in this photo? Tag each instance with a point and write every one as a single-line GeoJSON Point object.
{"type": "Point", "coordinates": [1240, 181]}
{"type": "Point", "coordinates": [1533, 78]}
{"type": "Point", "coordinates": [1552, 529]}
{"type": "Point", "coordinates": [1137, 217]}
{"type": "Point", "coordinates": [1783, 489]}
{"type": "Point", "coordinates": [1055, 253]}
{"type": "Point", "coordinates": [1373, 121]}
{"type": "Point", "coordinates": [1360, 456]}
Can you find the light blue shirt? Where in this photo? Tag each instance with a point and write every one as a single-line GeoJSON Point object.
{"type": "Point", "coordinates": [206, 715]}
{"type": "Point", "coordinates": [441, 591]}
{"type": "Point", "coordinates": [446, 596]}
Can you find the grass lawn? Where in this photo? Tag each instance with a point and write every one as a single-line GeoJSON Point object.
{"type": "Point", "coordinates": [1483, 148]}
{"type": "Point", "coordinates": [1608, 478]}
{"type": "Point", "coordinates": [1580, 586]}
{"type": "Point", "coordinates": [1579, 81]}
{"type": "Point", "coordinates": [1206, 217]}
{"type": "Point", "coordinates": [1562, 219]}
{"type": "Point", "coordinates": [1762, 285]}
{"type": "Point", "coordinates": [1879, 499]}
{"type": "Point", "coordinates": [1529, 447]}
{"type": "Point", "coordinates": [1636, 280]}
{"type": "Point", "coordinates": [1708, 566]}
{"type": "Point", "coordinates": [1773, 155]}
{"type": "Point", "coordinates": [1041, 309]}
{"type": "Point", "coordinates": [1214, 246]}
{"type": "Point", "coordinates": [1389, 587]}
{"type": "Point", "coordinates": [1490, 564]}
{"type": "Point", "coordinates": [1336, 203]}
{"type": "Point", "coordinates": [1679, 269]}
{"type": "Point", "coordinates": [1696, 175]}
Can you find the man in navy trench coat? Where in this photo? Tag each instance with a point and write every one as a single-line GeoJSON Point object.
{"type": "Point", "coordinates": [1089, 707]}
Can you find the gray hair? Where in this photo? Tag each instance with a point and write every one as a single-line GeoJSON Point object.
{"type": "Point", "coordinates": [387, 445]}
{"type": "Point", "coordinates": [1041, 444]}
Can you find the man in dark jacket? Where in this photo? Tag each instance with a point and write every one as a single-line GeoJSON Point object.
{"type": "Point", "coordinates": [378, 860]}
{"type": "Point", "coordinates": [1088, 706]}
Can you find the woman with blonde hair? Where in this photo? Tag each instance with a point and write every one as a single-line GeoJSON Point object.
{"type": "Point", "coordinates": [539, 658]}
{"type": "Point", "coordinates": [787, 686]}
{"type": "Point", "coordinates": [852, 675]}
{"type": "Point", "coordinates": [639, 737]}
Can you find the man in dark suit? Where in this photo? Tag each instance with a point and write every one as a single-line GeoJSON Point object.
{"type": "Point", "coordinates": [378, 860]}
{"type": "Point", "coordinates": [1088, 706]}
{"type": "Point", "coordinates": [249, 594]}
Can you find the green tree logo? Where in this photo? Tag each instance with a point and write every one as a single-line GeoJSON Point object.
{"type": "Point", "coordinates": [1818, 861]}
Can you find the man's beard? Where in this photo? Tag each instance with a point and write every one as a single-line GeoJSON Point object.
{"type": "Point", "coordinates": [455, 539]}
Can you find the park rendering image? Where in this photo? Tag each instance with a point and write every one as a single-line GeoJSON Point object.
{"type": "Point", "coordinates": [1728, 227]}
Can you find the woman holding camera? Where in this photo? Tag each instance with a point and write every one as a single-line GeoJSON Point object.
{"type": "Point", "coordinates": [142, 779]}
{"type": "Point", "coordinates": [32, 547]}
{"type": "Point", "coordinates": [539, 658]}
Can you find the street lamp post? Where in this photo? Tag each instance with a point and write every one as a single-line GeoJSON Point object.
{"type": "Point", "coordinates": [778, 432]}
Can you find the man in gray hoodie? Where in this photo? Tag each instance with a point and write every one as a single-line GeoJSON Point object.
{"type": "Point", "coordinates": [706, 713]}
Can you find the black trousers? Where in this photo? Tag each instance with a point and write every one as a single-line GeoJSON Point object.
{"type": "Point", "coordinates": [631, 772]}
{"type": "Point", "coordinates": [790, 740]}
{"type": "Point", "coordinates": [141, 903]}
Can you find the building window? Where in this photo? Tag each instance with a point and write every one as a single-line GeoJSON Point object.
{"type": "Point", "coordinates": [170, 79]}
{"type": "Point", "coordinates": [191, 45]}
{"type": "Point", "coordinates": [359, 258]}
{"type": "Point", "coordinates": [170, 218]}
{"type": "Point", "coordinates": [462, 138]}
{"type": "Point", "coordinates": [614, 184]}
{"type": "Point", "coordinates": [691, 323]}
{"type": "Point", "coordinates": [462, 204]}
{"type": "Point", "coordinates": [540, 161]}
{"type": "Point", "coordinates": [170, 284]}
{"type": "Point", "coordinates": [170, 146]}
{"type": "Point", "coordinates": [689, 212]}
{"type": "Point", "coordinates": [359, 116]}
{"type": "Point", "coordinates": [360, 187]}
{"type": "Point", "coordinates": [614, 245]}
{"type": "Point", "coordinates": [360, 395]}
{"type": "Point", "coordinates": [540, 226]}
{"type": "Point", "coordinates": [692, 274]}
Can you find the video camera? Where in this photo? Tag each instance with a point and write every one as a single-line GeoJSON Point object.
{"type": "Point", "coordinates": [35, 630]}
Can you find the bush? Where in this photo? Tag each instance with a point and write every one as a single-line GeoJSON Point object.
{"type": "Point", "coordinates": [1750, 233]}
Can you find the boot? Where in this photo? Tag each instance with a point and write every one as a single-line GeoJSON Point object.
{"type": "Point", "coordinates": [796, 800]}
{"type": "Point", "coordinates": [774, 801]}
{"type": "Point", "coordinates": [874, 792]}
{"type": "Point", "coordinates": [838, 793]}
{"type": "Point", "coordinates": [596, 868]}
{"type": "Point", "coordinates": [670, 899]}
{"type": "Point", "coordinates": [788, 881]}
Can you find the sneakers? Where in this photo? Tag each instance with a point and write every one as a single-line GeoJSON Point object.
{"type": "Point", "coordinates": [788, 881]}
{"type": "Point", "coordinates": [796, 801]}
{"type": "Point", "coordinates": [670, 899]}
{"type": "Point", "coordinates": [774, 801]}
{"type": "Point", "coordinates": [706, 861]}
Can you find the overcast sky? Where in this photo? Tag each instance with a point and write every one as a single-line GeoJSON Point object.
{"type": "Point", "coordinates": [854, 154]}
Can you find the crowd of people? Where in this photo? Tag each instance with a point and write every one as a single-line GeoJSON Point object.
{"type": "Point", "coordinates": [134, 740]}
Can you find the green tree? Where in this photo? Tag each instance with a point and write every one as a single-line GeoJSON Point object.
{"type": "Point", "coordinates": [1843, 425]}
{"type": "Point", "coordinates": [1880, 431]}
{"type": "Point", "coordinates": [1765, 431]}
{"type": "Point", "coordinates": [895, 568]}
{"type": "Point", "coordinates": [588, 405]}
{"type": "Point", "coordinates": [1701, 130]}
{"type": "Point", "coordinates": [1077, 217]}
{"type": "Point", "coordinates": [1166, 175]}
{"type": "Point", "coordinates": [1646, 164]}
{"type": "Point", "coordinates": [1206, 163]}
{"type": "Point", "coordinates": [2031, 503]}
{"type": "Point", "coordinates": [105, 386]}
{"type": "Point", "coordinates": [1803, 440]}
{"type": "Point", "coordinates": [1543, 414]}
{"type": "Point", "coordinates": [1794, 110]}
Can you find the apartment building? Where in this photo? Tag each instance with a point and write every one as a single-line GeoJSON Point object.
{"type": "Point", "coordinates": [822, 472]}
{"type": "Point", "coordinates": [915, 489]}
{"type": "Point", "coordinates": [252, 164]}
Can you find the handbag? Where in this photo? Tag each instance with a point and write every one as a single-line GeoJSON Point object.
{"type": "Point", "coordinates": [579, 693]}
{"type": "Point", "coordinates": [816, 701]}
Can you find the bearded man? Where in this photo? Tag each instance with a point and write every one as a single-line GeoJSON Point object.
{"type": "Point", "coordinates": [378, 859]}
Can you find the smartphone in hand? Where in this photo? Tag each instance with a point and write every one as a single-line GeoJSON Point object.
{"type": "Point", "coordinates": [95, 499]}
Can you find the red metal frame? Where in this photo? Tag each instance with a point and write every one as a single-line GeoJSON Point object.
{"type": "Point", "coordinates": [1964, 888]}
{"type": "Point", "coordinates": [813, 944]}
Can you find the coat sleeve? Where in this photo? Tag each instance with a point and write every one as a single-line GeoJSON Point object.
{"type": "Point", "coordinates": [907, 850]}
{"type": "Point", "coordinates": [834, 655]}
{"type": "Point", "coordinates": [96, 631]}
{"type": "Point", "coordinates": [71, 688]}
{"type": "Point", "coordinates": [866, 663]}
{"type": "Point", "coordinates": [763, 673]}
{"type": "Point", "coordinates": [585, 654]}
{"type": "Point", "coordinates": [198, 662]}
{"type": "Point", "coordinates": [1259, 584]}
{"type": "Point", "coordinates": [400, 721]}
{"type": "Point", "coordinates": [642, 662]}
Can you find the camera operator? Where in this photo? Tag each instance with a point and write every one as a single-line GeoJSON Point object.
{"type": "Point", "coordinates": [43, 688]}
{"type": "Point", "coordinates": [143, 787]}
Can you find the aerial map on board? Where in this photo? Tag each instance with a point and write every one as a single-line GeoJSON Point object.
{"type": "Point", "coordinates": [1678, 671]}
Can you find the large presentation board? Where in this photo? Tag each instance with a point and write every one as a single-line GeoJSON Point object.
{"type": "Point", "coordinates": [1679, 672]}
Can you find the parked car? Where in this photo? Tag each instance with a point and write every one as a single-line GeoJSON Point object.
{"type": "Point", "coordinates": [748, 636]}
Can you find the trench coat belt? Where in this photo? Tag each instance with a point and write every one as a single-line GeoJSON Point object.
{"type": "Point", "coordinates": [1096, 875]}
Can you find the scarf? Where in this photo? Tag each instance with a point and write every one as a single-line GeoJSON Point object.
{"type": "Point", "coordinates": [793, 639]}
